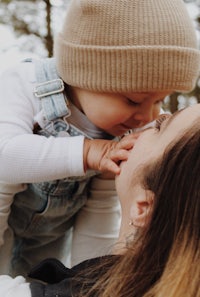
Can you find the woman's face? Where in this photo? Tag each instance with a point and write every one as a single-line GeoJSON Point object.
{"type": "Point", "coordinates": [150, 145]}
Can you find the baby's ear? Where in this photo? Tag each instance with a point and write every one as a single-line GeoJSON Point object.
{"type": "Point", "coordinates": [140, 212]}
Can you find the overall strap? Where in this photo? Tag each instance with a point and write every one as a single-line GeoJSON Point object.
{"type": "Point", "coordinates": [50, 89]}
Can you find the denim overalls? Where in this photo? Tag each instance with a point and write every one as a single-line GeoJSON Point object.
{"type": "Point", "coordinates": [42, 214]}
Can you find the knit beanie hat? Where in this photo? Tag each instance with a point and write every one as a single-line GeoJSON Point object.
{"type": "Point", "coordinates": [128, 46]}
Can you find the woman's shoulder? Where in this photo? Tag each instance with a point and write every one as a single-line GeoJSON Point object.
{"type": "Point", "coordinates": [55, 277]}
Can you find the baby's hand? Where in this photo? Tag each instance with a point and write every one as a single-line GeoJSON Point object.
{"type": "Point", "coordinates": [105, 155]}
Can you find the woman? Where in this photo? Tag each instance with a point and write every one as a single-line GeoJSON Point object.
{"type": "Point", "coordinates": [157, 254]}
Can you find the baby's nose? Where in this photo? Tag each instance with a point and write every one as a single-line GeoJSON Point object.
{"type": "Point", "coordinates": [143, 117]}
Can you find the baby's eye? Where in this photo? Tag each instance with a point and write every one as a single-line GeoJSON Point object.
{"type": "Point", "coordinates": [131, 102]}
{"type": "Point", "coordinates": [160, 120]}
{"type": "Point", "coordinates": [159, 102]}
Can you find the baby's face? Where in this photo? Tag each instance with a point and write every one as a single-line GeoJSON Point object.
{"type": "Point", "coordinates": [118, 113]}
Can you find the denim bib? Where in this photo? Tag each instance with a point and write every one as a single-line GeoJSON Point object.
{"type": "Point", "coordinates": [44, 211]}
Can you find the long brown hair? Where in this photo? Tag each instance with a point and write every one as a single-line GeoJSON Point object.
{"type": "Point", "coordinates": [164, 262]}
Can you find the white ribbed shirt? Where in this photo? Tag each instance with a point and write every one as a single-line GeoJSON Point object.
{"type": "Point", "coordinates": [24, 156]}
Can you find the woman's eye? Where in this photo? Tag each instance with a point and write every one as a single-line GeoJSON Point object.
{"type": "Point", "coordinates": [160, 120]}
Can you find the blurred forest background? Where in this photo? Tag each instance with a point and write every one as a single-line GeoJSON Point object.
{"type": "Point", "coordinates": [32, 25]}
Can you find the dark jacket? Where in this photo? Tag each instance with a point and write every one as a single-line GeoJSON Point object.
{"type": "Point", "coordinates": [55, 280]}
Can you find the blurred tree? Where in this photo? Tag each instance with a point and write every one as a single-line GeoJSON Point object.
{"type": "Point", "coordinates": [177, 100]}
{"type": "Point", "coordinates": [49, 36]}
{"type": "Point", "coordinates": [33, 19]}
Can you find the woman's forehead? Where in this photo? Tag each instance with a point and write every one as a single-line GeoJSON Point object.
{"type": "Point", "coordinates": [184, 117]}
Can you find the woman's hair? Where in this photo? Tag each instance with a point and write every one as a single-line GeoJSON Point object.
{"type": "Point", "coordinates": [164, 262]}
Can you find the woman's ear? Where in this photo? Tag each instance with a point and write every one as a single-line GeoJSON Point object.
{"type": "Point", "coordinates": [141, 209]}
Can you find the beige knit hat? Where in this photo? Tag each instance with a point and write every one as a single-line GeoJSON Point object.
{"type": "Point", "coordinates": [128, 46]}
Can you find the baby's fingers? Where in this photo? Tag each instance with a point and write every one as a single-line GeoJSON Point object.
{"type": "Point", "coordinates": [110, 166]}
{"type": "Point", "coordinates": [111, 163]}
{"type": "Point", "coordinates": [128, 141]}
{"type": "Point", "coordinates": [117, 155]}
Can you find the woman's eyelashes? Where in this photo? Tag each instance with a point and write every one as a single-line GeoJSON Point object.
{"type": "Point", "coordinates": [160, 120]}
